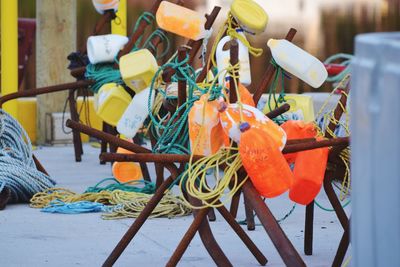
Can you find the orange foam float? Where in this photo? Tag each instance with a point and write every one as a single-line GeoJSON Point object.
{"type": "Point", "coordinates": [264, 163]}
{"type": "Point", "coordinates": [205, 131]}
{"type": "Point", "coordinates": [309, 172]}
{"type": "Point", "coordinates": [295, 129]}
{"type": "Point", "coordinates": [126, 171]}
{"type": "Point", "coordinates": [230, 119]}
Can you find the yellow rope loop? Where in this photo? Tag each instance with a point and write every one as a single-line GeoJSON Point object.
{"type": "Point", "coordinates": [329, 118]}
{"type": "Point", "coordinates": [127, 204]}
{"type": "Point", "coordinates": [196, 184]}
{"type": "Point", "coordinates": [252, 50]}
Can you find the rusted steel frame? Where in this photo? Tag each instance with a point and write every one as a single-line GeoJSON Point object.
{"type": "Point", "coordinates": [187, 238]}
{"type": "Point", "coordinates": [45, 90]}
{"type": "Point", "coordinates": [105, 19]}
{"type": "Point", "coordinates": [181, 83]}
{"type": "Point", "coordinates": [278, 111]}
{"type": "Point", "coordinates": [242, 234]}
{"type": "Point", "coordinates": [269, 73]}
{"type": "Point", "coordinates": [342, 249]}
{"type": "Point", "coordinates": [308, 229]}
{"type": "Point", "coordinates": [200, 216]}
{"type": "Point", "coordinates": [76, 136]}
{"type": "Point", "coordinates": [107, 137]}
{"type": "Point", "coordinates": [283, 245]}
{"type": "Point", "coordinates": [234, 78]}
{"type": "Point", "coordinates": [39, 165]}
{"type": "Point", "coordinates": [159, 168]}
{"type": "Point", "coordinates": [195, 45]}
{"type": "Point", "coordinates": [172, 158]}
{"type": "Point", "coordinates": [251, 226]}
{"type": "Point", "coordinates": [143, 165]}
{"type": "Point", "coordinates": [143, 216]}
{"type": "Point", "coordinates": [328, 187]}
{"type": "Point", "coordinates": [233, 208]}
{"type": "Point", "coordinates": [340, 141]}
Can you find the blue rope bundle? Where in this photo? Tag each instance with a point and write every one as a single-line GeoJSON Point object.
{"type": "Point", "coordinates": [18, 171]}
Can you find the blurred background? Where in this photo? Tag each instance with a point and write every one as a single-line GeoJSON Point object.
{"type": "Point", "coordinates": [325, 27]}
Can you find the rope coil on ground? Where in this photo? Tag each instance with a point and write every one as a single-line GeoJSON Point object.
{"type": "Point", "coordinates": [18, 171]}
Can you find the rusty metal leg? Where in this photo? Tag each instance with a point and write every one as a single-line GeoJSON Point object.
{"type": "Point", "coordinates": [235, 203]}
{"type": "Point", "coordinates": [39, 165]}
{"type": "Point", "coordinates": [143, 165]}
{"type": "Point", "coordinates": [342, 249]}
{"type": "Point", "coordinates": [309, 229]}
{"type": "Point", "coordinates": [262, 260]}
{"type": "Point", "coordinates": [135, 227]}
{"type": "Point", "coordinates": [251, 226]}
{"type": "Point", "coordinates": [187, 238]}
{"type": "Point", "coordinates": [209, 241]}
{"type": "Point", "coordinates": [211, 215]}
{"type": "Point", "coordinates": [76, 136]}
{"type": "Point", "coordinates": [334, 200]}
{"type": "Point", "coordinates": [104, 143]}
{"type": "Point", "coordinates": [158, 167]}
{"type": "Point", "coordinates": [285, 248]}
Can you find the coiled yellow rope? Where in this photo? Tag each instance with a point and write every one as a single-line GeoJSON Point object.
{"type": "Point", "coordinates": [127, 204]}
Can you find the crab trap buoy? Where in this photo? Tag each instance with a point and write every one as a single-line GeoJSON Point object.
{"type": "Point", "coordinates": [104, 48]}
{"type": "Point", "coordinates": [111, 102]}
{"type": "Point", "coordinates": [137, 69]}
{"type": "Point", "coordinates": [181, 21]}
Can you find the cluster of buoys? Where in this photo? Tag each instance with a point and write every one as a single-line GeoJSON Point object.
{"type": "Point", "coordinates": [211, 120]}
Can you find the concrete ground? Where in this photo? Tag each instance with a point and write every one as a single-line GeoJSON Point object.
{"type": "Point", "coordinates": [29, 237]}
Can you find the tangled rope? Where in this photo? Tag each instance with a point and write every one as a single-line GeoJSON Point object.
{"type": "Point", "coordinates": [18, 171]}
{"type": "Point", "coordinates": [116, 203]}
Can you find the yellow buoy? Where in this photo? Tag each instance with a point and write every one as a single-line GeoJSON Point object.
{"type": "Point", "coordinates": [251, 16]}
{"type": "Point", "coordinates": [301, 107]}
{"type": "Point", "coordinates": [137, 69]}
{"type": "Point", "coordinates": [112, 100]}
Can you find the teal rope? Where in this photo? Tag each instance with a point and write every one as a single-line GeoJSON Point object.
{"type": "Point", "coordinates": [164, 39]}
{"type": "Point", "coordinates": [244, 222]}
{"type": "Point", "coordinates": [18, 171]}
{"type": "Point", "coordinates": [58, 206]}
{"type": "Point", "coordinates": [148, 188]}
{"type": "Point", "coordinates": [279, 75]}
{"type": "Point", "coordinates": [346, 62]}
{"type": "Point", "coordinates": [330, 210]}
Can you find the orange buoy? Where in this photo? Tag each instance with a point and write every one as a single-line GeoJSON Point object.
{"type": "Point", "coordinates": [126, 171]}
{"type": "Point", "coordinates": [230, 120]}
{"type": "Point", "coordinates": [296, 129]}
{"type": "Point", "coordinates": [309, 171]}
{"type": "Point", "coordinates": [264, 163]}
{"type": "Point", "coordinates": [205, 131]}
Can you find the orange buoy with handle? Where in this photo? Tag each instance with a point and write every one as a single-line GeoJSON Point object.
{"type": "Point", "coordinates": [205, 131]}
{"type": "Point", "coordinates": [296, 129]}
{"type": "Point", "coordinates": [126, 171]}
{"type": "Point", "coordinates": [309, 172]}
{"type": "Point", "coordinates": [230, 120]}
{"type": "Point", "coordinates": [264, 162]}
{"type": "Point", "coordinates": [245, 95]}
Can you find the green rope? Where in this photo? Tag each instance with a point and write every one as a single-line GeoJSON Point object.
{"type": "Point", "coordinates": [279, 75]}
{"type": "Point", "coordinates": [148, 188]}
{"type": "Point", "coordinates": [347, 60]}
{"type": "Point", "coordinates": [164, 39]}
{"type": "Point", "coordinates": [330, 210]}
{"type": "Point", "coordinates": [102, 73]}
{"type": "Point", "coordinates": [244, 222]}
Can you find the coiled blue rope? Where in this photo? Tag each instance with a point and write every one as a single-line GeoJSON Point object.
{"type": "Point", "coordinates": [18, 171]}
